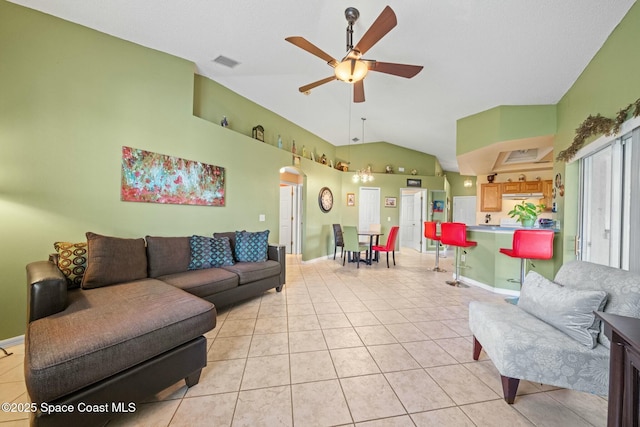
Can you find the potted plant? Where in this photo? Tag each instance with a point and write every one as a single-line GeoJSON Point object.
{"type": "Point", "coordinates": [526, 212]}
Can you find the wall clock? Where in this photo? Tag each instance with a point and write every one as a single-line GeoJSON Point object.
{"type": "Point", "coordinates": [325, 199]}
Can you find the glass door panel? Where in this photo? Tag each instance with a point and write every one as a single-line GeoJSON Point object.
{"type": "Point", "coordinates": [596, 208]}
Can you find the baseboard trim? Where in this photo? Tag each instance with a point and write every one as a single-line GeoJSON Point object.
{"type": "Point", "coordinates": [10, 342]}
{"type": "Point", "coordinates": [500, 291]}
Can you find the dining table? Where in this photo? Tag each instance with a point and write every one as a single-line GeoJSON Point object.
{"type": "Point", "coordinates": [371, 235]}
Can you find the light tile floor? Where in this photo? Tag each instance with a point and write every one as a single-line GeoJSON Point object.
{"type": "Point", "coordinates": [345, 346]}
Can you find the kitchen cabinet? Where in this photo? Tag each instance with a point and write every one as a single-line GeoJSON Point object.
{"type": "Point", "coordinates": [522, 187]}
{"type": "Point", "coordinates": [531, 186]}
{"type": "Point", "coordinates": [511, 187]}
{"type": "Point", "coordinates": [547, 195]}
{"type": "Point", "coordinates": [490, 197]}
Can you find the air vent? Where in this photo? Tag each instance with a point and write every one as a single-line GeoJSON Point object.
{"type": "Point", "coordinates": [522, 156]}
{"type": "Point", "coordinates": [227, 62]}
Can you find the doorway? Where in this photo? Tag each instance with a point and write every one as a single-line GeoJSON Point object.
{"type": "Point", "coordinates": [413, 213]}
{"type": "Point", "coordinates": [290, 223]}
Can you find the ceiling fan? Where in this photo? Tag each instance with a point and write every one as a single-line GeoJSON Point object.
{"type": "Point", "coordinates": [353, 68]}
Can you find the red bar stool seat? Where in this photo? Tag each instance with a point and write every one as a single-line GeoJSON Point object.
{"type": "Point", "coordinates": [455, 234]}
{"type": "Point", "coordinates": [530, 244]}
{"type": "Point", "coordinates": [430, 232]}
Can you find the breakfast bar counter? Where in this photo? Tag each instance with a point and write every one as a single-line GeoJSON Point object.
{"type": "Point", "coordinates": [484, 265]}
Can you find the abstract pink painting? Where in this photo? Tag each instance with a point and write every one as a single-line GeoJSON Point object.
{"type": "Point", "coordinates": [157, 178]}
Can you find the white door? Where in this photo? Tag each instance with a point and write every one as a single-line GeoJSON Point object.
{"type": "Point", "coordinates": [369, 208]}
{"type": "Point", "coordinates": [464, 209]}
{"type": "Point", "coordinates": [411, 218]}
{"type": "Point", "coordinates": [286, 217]}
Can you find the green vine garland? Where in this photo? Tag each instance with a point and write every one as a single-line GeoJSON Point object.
{"type": "Point", "coordinates": [598, 125]}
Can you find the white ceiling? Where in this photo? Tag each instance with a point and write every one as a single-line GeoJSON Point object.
{"type": "Point", "coordinates": [476, 55]}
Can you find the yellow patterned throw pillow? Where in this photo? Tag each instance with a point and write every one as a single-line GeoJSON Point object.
{"type": "Point", "coordinates": [72, 261]}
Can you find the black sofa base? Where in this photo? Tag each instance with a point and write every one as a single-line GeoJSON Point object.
{"type": "Point", "coordinates": [243, 292]}
{"type": "Point", "coordinates": [115, 393]}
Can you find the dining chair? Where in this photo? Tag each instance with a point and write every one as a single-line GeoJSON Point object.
{"type": "Point", "coordinates": [338, 240]}
{"type": "Point", "coordinates": [351, 244]}
{"type": "Point", "coordinates": [390, 246]}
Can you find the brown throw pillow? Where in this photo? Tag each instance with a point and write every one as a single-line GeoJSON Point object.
{"type": "Point", "coordinates": [167, 255]}
{"type": "Point", "coordinates": [72, 261]}
{"type": "Point", "coordinates": [114, 260]}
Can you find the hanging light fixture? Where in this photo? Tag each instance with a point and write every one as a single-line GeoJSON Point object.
{"type": "Point", "coordinates": [363, 175]}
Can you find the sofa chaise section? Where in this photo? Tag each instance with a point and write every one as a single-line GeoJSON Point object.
{"type": "Point", "coordinates": [116, 343]}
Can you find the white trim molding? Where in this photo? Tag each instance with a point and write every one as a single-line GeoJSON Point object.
{"type": "Point", "coordinates": [10, 342]}
{"type": "Point", "coordinates": [481, 285]}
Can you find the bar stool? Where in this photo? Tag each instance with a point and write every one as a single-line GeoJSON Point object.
{"type": "Point", "coordinates": [430, 232]}
{"type": "Point", "coordinates": [455, 234]}
{"type": "Point", "coordinates": [530, 244]}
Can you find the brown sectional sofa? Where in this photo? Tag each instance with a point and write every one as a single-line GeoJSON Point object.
{"type": "Point", "coordinates": [116, 343]}
{"type": "Point", "coordinates": [168, 259]}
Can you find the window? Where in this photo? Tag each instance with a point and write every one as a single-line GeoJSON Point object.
{"type": "Point", "coordinates": [610, 203]}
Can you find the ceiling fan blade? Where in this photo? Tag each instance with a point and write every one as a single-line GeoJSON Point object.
{"type": "Point", "coordinates": [310, 86]}
{"type": "Point", "coordinates": [303, 43]}
{"type": "Point", "coordinates": [358, 91]}
{"type": "Point", "coordinates": [402, 70]}
{"type": "Point", "coordinates": [381, 26]}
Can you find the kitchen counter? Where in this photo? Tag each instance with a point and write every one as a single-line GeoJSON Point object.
{"type": "Point", "coordinates": [484, 266]}
{"type": "Point", "coordinates": [494, 228]}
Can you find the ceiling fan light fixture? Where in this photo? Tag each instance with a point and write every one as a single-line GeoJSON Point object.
{"type": "Point", "coordinates": [351, 70]}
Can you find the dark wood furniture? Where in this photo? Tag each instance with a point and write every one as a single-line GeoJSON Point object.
{"type": "Point", "coordinates": [624, 368]}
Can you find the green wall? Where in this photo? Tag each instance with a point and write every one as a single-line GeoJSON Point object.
{"type": "Point", "coordinates": [504, 123]}
{"type": "Point", "coordinates": [62, 126]}
{"type": "Point", "coordinates": [456, 182]}
{"type": "Point", "coordinates": [390, 185]}
{"type": "Point", "coordinates": [376, 154]}
{"type": "Point", "coordinates": [61, 133]}
{"type": "Point", "coordinates": [212, 101]}
{"type": "Point", "coordinates": [608, 84]}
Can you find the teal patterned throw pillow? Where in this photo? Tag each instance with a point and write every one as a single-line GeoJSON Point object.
{"type": "Point", "coordinates": [252, 246]}
{"type": "Point", "coordinates": [209, 252]}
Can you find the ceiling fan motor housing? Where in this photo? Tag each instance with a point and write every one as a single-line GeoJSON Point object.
{"type": "Point", "coordinates": [352, 15]}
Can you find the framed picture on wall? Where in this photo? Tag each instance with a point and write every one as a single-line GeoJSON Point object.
{"type": "Point", "coordinates": [351, 199]}
{"type": "Point", "coordinates": [438, 206]}
{"type": "Point", "coordinates": [412, 182]}
{"type": "Point", "coordinates": [389, 202]}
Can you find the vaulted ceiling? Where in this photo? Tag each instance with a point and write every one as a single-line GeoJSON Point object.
{"type": "Point", "coordinates": [476, 55]}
